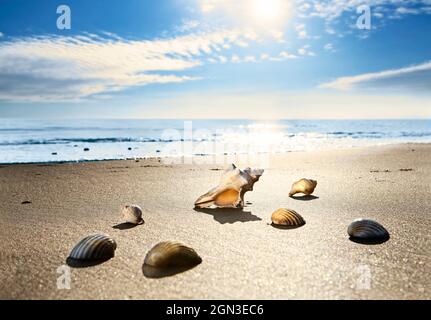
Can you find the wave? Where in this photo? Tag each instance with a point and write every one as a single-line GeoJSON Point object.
{"type": "Point", "coordinates": [220, 137]}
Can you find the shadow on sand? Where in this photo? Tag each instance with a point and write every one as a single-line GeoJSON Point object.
{"type": "Point", "coordinates": [305, 198]}
{"type": "Point", "coordinates": [126, 226]}
{"type": "Point", "coordinates": [369, 241]}
{"type": "Point", "coordinates": [276, 226]}
{"type": "Point", "coordinates": [75, 263]}
{"type": "Point", "coordinates": [155, 273]}
{"type": "Point", "coordinates": [228, 215]}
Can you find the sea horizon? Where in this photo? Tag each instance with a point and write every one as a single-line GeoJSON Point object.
{"type": "Point", "coordinates": [71, 140]}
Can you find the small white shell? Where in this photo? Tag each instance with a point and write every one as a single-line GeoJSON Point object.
{"type": "Point", "coordinates": [367, 229]}
{"type": "Point", "coordinates": [94, 247]}
{"type": "Point", "coordinates": [132, 214]}
{"type": "Point", "coordinates": [287, 218]}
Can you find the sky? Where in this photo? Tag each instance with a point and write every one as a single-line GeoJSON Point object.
{"type": "Point", "coordinates": [216, 59]}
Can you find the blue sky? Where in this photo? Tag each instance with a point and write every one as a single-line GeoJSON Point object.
{"type": "Point", "coordinates": [215, 59]}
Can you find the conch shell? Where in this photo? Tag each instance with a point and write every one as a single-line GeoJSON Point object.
{"type": "Point", "coordinates": [305, 186]}
{"type": "Point", "coordinates": [231, 189]}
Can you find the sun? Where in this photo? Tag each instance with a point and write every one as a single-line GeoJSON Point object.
{"type": "Point", "coordinates": [268, 11]}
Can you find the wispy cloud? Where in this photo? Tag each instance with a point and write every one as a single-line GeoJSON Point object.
{"type": "Point", "coordinates": [64, 68]}
{"type": "Point", "coordinates": [336, 13]}
{"type": "Point", "coordinates": [301, 31]}
{"type": "Point", "coordinates": [332, 9]}
{"type": "Point", "coordinates": [417, 78]}
{"type": "Point", "coordinates": [329, 47]}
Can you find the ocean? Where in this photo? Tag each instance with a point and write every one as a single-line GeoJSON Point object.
{"type": "Point", "coordinates": [34, 141]}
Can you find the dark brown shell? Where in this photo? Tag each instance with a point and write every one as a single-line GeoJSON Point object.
{"type": "Point", "coordinates": [367, 229]}
{"type": "Point", "coordinates": [94, 247]}
{"type": "Point", "coordinates": [172, 254]}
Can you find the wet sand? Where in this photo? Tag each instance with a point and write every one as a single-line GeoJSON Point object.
{"type": "Point", "coordinates": [46, 209]}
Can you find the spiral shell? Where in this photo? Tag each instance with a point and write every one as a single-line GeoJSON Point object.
{"type": "Point", "coordinates": [367, 229]}
{"type": "Point", "coordinates": [94, 247]}
{"type": "Point", "coordinates": [172, 254]}
{"type": "Point", "coordinates": [287, 218]}
{"type": "Point", "coordinates": [230, 192]}
{"type": "Point", "coordinates": [305, 186]}
{"type": "Point", "coordinates": [132, 214]}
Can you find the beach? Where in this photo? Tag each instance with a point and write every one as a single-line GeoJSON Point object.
{"type": "Point", "coordinates": [45, 209]}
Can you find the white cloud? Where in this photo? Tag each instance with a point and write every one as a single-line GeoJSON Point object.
{"type": "Point", "coordinates": [235, 59]}
{"type": "Point", "coordinates": [417, 77]}
{"type": "Point", "coordinates": [337, 13]}
{"type": "Point", "coordinates": [222, 59]}
{"type": "Point", "coordinates": [56, 68]}
{"type": "Point", "coordinates": [332, 9]}
{"type": "Point", "coordinates": [304, 51]}
{"type": "Point", "coordinates": [301, 31]}
{"type": "Point", "coordinates": [287, 55]}
{"type": "Point", "coordinates": [1, 34]}
{"type": "Point", "coordinates": [329, 47]}
{"type": "Point", "coordinates": [250, 58]}
{"type": "Point", "coordinates": [188, 25]}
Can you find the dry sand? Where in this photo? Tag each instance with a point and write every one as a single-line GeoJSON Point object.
{"type": "Point", "coordinates": [243, 256]}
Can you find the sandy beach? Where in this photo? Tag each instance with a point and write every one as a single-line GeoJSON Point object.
{"type": "Point", "coordinates": [45, 209]}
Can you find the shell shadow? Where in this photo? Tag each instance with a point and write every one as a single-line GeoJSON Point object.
{"type": "Point", "coordinates": [305, 197]}
{"type": "Point", "coordinates": [370, 241]}
{"type": "Point", "coordinates": [75, 263]}
{"type": "Point", "coordinates": [285, 227]}
{"type": "Point", "coordinates": [156, 273]}
{"type": "Point", "coordinates": [126, 226]}
{"type": "Point", "coordinates": [229, 215]}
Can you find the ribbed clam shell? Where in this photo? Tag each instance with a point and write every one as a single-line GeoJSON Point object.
{"type": "Point", "coordinates": [132, 214]}
{"type": "Point", "coordinates": [171, 254]}
{"type": "Point", "coordinates": [94, 247]}
{"type": "Point", "coordinates": [367, 229]}
{"type": "Point", "coordinates": [305, 186]}
{"type": "Point", "coordinates": [287, 217]}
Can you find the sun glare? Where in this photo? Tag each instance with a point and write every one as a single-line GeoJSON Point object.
{"type": "Point", "coordinates": [268, 10]}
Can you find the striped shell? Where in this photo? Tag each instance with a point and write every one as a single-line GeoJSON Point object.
{"type": "Point", "coordinates": [305, 186]}
{"type": "Point", "coordinates": [94, 247]}
{"type": "Point", "coordinates": [171, 254]}
{"type": "Point", "coordinates": [132, 214]}
{"type": "Point", "coordinates": [287, 218]}
{"type": "Point", "coordinates": [367, 230]}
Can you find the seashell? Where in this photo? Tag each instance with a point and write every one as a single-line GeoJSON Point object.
{"type": "Point", "coordinates": [366, 229]}
{"type": "Point", "coordinates": [132, 214]}
{"type": "Point", "coordinates": [94, 247]}
{"type": "Point", "coordinates": [287, 218]}
{"type": "Point", "coordinates": [305, 186]}
{"type": "Point", "coordinates": [171, 254]}
{"type": "Point", "coordinates": [231, 189]}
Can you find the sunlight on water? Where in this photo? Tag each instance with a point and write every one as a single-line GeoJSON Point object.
{"type": "Point", "coordinates": [45, 141]}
